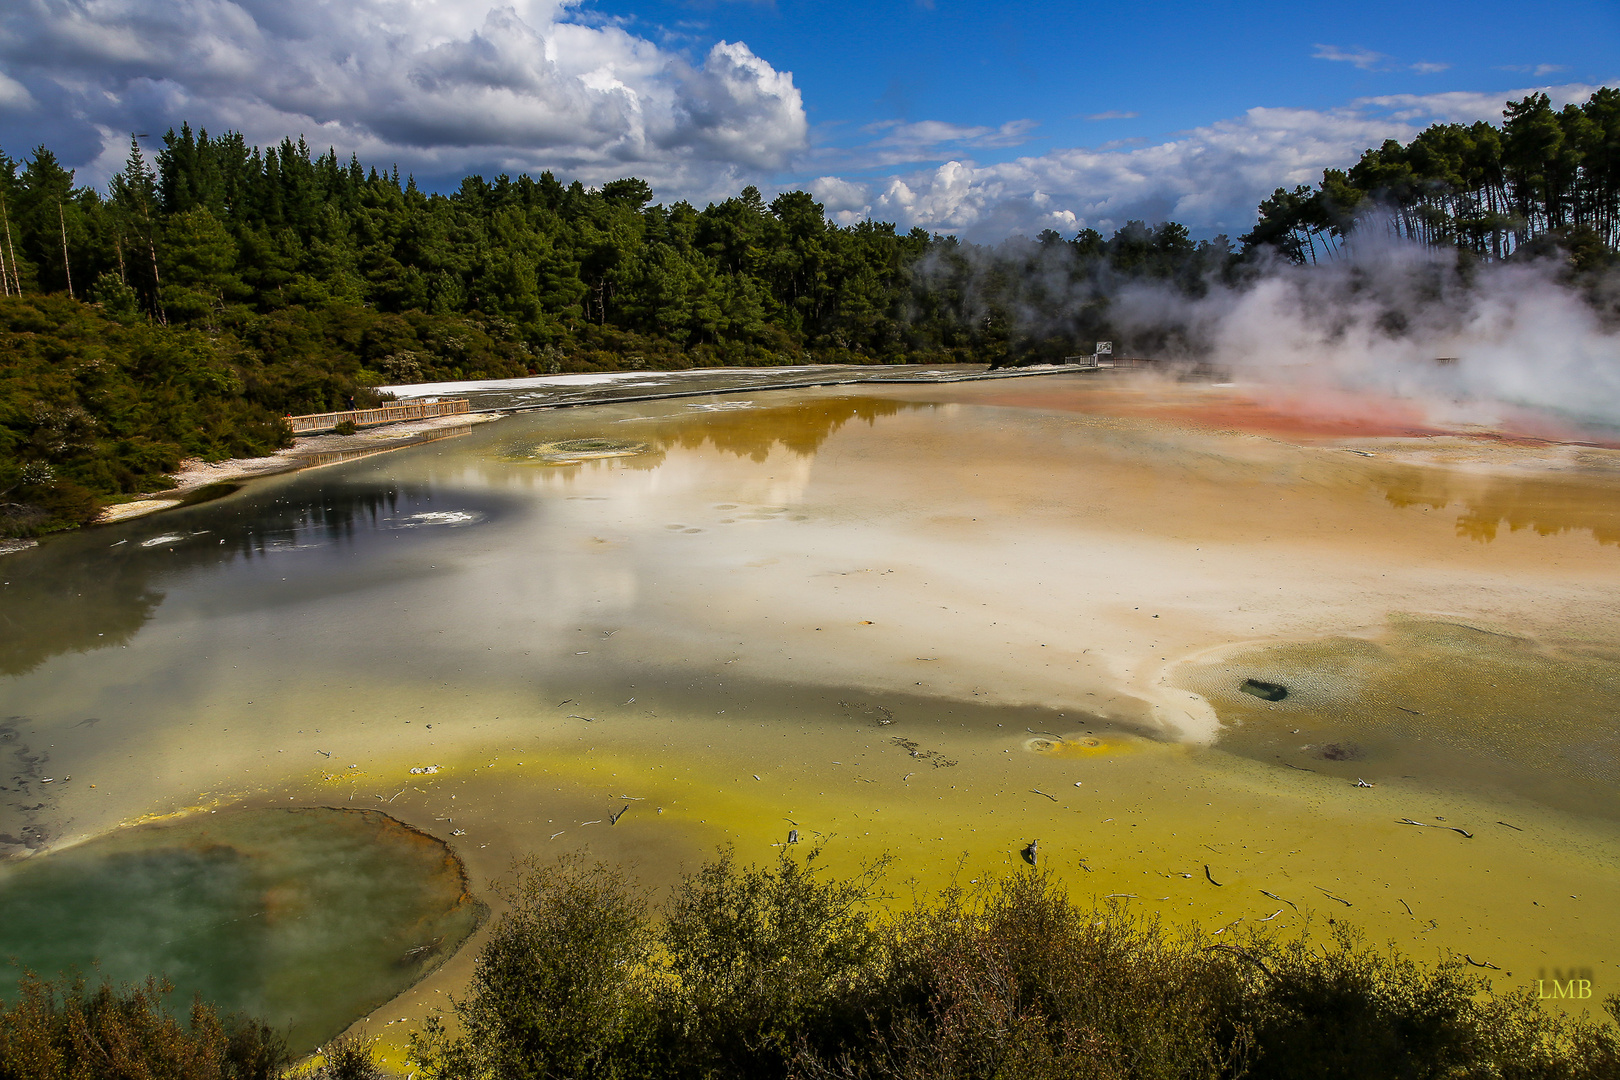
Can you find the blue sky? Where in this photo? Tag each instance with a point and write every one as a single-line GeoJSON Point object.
{"type": "Point", "coordinates": [976, 118]}
{"type": "Point", "coordinates": [1174, 65]}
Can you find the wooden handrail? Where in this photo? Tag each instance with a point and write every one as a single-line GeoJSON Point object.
{"type": "Point", "coordinates": [386, 414]}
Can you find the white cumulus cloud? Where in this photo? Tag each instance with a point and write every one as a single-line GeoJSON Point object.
{"type": "Point", "coordinates": [1365, 59]}
{"type": "Point", "coordinates": [438, 87]}
{"type": "Point", "coordinates": [1210, 178]}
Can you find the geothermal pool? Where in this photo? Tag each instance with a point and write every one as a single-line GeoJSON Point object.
{"type": "Point", "coordinates": [932, 621]}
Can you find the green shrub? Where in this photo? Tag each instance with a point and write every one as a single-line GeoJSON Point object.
{"type": "Point", "coordinates": [765, 963]}
{"type": "Point", "coordinates": [558, 990]}
{"type": "Point", "coordinates": [783, 971]}
{"type": "Point", "coordinates": [1016, 980]}
{"type": "Point", "coordinates": [68, 1032]}
{"type": "Point", "coordinates": [348, 1057]}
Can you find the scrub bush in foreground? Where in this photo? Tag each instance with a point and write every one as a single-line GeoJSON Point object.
{"type": "Point", "coordinates": [69, 1032]}
{"type": "Point", "coordinates": [786, 971]}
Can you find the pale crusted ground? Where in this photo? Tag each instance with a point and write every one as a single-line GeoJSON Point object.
{"type": "Point", "coordinates": [195, 474]}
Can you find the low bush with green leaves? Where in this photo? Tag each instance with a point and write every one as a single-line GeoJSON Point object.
{"type": "Point", "coordinates": [68, 1031]}
{"type": "Point", "coordinates": [787, 971]}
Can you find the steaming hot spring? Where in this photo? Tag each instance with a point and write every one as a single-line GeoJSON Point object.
{"type": "Point", "coordinates": [1357, 657]}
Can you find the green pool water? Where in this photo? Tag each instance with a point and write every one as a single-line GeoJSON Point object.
{"type": "Point", "coordinates": [308, 918]}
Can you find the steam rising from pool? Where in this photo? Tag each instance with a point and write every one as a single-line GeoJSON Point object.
{"type": "Point", "coordinates": [1473, 344]}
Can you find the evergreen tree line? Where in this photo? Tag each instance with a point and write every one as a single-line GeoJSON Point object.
{"type": "Point", "coordinates": [1543, 179]}
{"type": "Point", "coordinates": [283, 251]}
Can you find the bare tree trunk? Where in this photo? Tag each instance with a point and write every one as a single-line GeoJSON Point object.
{"type": "Point", "coordinates": [157, 286]}
{"type": "Point", "coordinates": [151, 250]}
{"type": "Point", "coordinates": [16, 274]}
{"type": "Point", "coordinates": [61, 220]}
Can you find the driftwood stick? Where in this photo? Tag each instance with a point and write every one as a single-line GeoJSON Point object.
{"type": "Point", "coordinates": [1239, 950]}
{"type": "Point", "coordinates": [1453, 828]}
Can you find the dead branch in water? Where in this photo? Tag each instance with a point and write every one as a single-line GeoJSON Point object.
{"type": "Point", "coordinates": [1426, 825]}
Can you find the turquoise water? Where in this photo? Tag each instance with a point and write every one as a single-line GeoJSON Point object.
{"type": "Point", "coordinates": [307, 918]}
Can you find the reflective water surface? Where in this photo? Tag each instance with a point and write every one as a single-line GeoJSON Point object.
{"type": "Point", "coordinates": [936, 621]}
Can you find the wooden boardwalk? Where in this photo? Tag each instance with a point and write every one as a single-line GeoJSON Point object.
{"type": "Point", "coordinates": [387, 414]}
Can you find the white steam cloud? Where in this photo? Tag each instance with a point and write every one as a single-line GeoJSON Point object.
{"type": "Point", "coordinates": [1523, 345]}
{"type": "Point", "coordinates": [1396, 318]}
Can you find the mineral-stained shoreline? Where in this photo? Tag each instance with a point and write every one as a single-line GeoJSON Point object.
{"type": "Point", "coordinates": [492, 398]}
{"type": "Point", "coordinates": [196, 476]}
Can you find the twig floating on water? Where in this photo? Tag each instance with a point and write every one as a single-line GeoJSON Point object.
{"type": "Point", "coordinates": [1121, 895]}
{"type": "Point", "coordinates": [1403, 708]}
{"type": "Point", "coordinates": [1515, 828]}
{"type": "Point", "coordinates": [1211, 877]}
{"type": "Point", "coordinates": [598, 821]}
{"type": "Point", "coordinates": [1426, 825]}
{"type": "Point", "coordinates": [587, 719]}
{"type": "Point", "coordinates": [1279, 899]}
{"type": "Point", "coordinates": [1243, 953]}
{"type": "Point", "coordinates": [1330, 896]}
{"type": "Point", "coordinates": [1038, 791]}
{"type": "Point", "coordinates": [613, 819]}
{"type": "Point", "coordinates": [1405, 905]}
{"type": "Point", "coordinates": [1273, 915]}
{"type": "Point", "coordinates": [565, 701]}
{"type": "Point", "coordinates": [558, 833]}
{"type": "Point", "coordinates": [1476, 963]}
